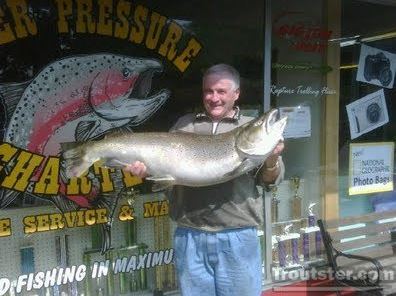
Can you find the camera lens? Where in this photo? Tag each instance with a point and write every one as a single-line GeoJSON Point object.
{"type": "Point", "coordinates": [385, 76]}
{"type": "Point", "coordinates": [373, 112]}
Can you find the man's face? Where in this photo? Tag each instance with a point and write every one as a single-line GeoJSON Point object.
{"type": "Point", "coordinates": [219, 96]}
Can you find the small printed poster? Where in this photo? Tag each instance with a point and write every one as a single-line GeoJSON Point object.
{"type": "Point", "coordinates": [371, 167]}
{"type": "Point", "coordinates": [367, 113]}
{"type": "Point", "coordinates": [376, 66]}
{"type": "Point", "coordinates": [298, 121]}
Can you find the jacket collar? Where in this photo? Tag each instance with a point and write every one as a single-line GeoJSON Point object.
{"type": "Point", "coordinates": [203, 116]}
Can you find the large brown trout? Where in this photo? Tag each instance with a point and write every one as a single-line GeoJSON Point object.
{"type": "Point", "coordinates": [181, 158]}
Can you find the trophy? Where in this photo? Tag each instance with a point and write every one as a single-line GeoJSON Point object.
{"type": "Point", "coordinates": [282, 251]}
{"type": "Point", "coordinates": [311, 215]}
{"type": "Point", "coordinates": [312, 239]}
{"type": "Point", "coordinates": [275, 253]}
{"type": "Point", "coordinates": [274, 204]}
{"type": "Point", "coordinates": [312, 223]}
{"type": "Point", "coordinates": [296, 200]}
{"type": "Point", "coordinates": [285, 247]}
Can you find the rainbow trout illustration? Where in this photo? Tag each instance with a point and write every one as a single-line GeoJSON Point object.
{"type": "Point", "coordinates": [77, 99]}
{"type": "Point", "coordinates": [182, 158]}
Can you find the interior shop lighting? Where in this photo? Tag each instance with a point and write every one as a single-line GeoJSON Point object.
{"type": "Point", "coordinates": [348, 41]}
{"type": "Point", "coordinates": [348, 66]}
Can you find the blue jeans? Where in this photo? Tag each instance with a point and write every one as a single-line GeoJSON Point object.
{"type": "Point", "coordinates": [224, 263]}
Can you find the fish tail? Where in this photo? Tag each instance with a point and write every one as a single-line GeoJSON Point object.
{"type": "Point", "coordinates": [74, 159]}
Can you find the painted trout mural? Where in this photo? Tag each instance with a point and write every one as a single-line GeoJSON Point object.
{"type": "Point", "coordinates": [76, 99]}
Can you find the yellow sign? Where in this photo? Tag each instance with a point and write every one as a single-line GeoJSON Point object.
{"type": "Point", "coordinates": [156, 208]}
{"type": "Point", "coordinates": [24, 166]}
{"type": "Point", "coordinates": [123, 20]}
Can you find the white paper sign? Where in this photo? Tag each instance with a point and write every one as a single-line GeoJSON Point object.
{"type": "Point", "coordinates": [367, 113]}
{"type": "Point", "coordinates": [376, 66]}
{"type": "Point", "coordinates": [298, 121]}
{"type": "Point", "coordinates": [371, 167]}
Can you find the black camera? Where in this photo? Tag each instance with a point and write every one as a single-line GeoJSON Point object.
{"type": "Point", "coordinates": [368, 114]}
{"type": "Point", "coordinates": [378, 67]}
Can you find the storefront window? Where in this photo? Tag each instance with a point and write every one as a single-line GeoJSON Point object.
{"type": "Point", "coordinates": [299, 88]}
{"type": "Point", "coordinates": [75, 71]}
{"type": "Point", "coordinates": [366, 108]}
{"type": "Point", "coordinates": [78, 71]}
{"type": "Point", "coordinates": [333, 74]}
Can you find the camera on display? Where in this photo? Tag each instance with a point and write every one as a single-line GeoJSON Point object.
{"type": "Point", "coordinates": [368, 114]}
{"type": "Point", "coordinates": [378, 67]}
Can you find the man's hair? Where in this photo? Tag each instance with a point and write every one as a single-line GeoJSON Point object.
{"type": "Point", "coordinates": [227, 70]}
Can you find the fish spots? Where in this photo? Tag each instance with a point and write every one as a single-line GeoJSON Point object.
{"type": "Point", "coordinates": [108, 86]}
{"type": "Point", "coordinates": [59, 96]}
{"type": "Point", "coordinates": [44, 131]}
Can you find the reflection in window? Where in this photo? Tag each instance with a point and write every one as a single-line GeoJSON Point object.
{"type": "Point", "coordinates": [27, 260]}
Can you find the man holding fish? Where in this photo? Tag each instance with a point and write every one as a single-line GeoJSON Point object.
{"type": "Point", "coordinates": [216, 246]}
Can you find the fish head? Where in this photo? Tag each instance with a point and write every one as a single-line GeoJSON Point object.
{"type": "Point", "coordinates": [122, 91]}
{"type": "Point", "coordinates": [260, 136]}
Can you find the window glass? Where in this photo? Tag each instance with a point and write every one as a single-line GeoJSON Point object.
{"type": "Point", "coordinates": [333, 74]}
{"type": "Point", "coordinates": [367, 86]}
{"type": "Point", "coordinates": [27, 260]}
{"type": "Point", "coordinates": [75, 71]}
{"type": "Point", "coordinates": [299, 88]}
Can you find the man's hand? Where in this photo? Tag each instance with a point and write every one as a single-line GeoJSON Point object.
{"type": "Point", "coordinates": [271, 161]}
{"type": "Point", "coordinates": [271, 167]}
{"type": "Point", "coordinates": [138, 169]}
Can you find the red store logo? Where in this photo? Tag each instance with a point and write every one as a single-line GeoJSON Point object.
{"type": "Point", "coordinates": [302, 37]}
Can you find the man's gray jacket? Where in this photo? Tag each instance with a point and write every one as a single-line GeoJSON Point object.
{"type": "Point", "coordinates": [233, 204]}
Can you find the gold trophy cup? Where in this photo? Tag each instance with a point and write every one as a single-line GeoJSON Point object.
{"type": "Point", "coordinates": [296, 200]}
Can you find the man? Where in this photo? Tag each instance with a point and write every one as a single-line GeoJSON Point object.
{"type": "Point", "coordinates": [217, 250]}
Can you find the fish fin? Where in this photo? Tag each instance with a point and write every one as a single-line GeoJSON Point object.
{"type": "Point", "coordinates": [85, 129]}
{"type": "Point", "coordinates": [149, 107]}
{"type": "Point", "coordinates": [161, 182]}
{"type": "Point", "coordinates": [64, 204]}
{"type": "Point", "coordinates": [245, 166]}
{"type": "Point", "coordinates": [109, 201]}
{"type": "Point", "coordinates": [7, 197]}
{"type": "Point", "coordinates": [10, 95]}
{"type": "Point", "coordinates": [161, 178]}
{"type": "Point", "coordinates": [116, 133]}
{"type": "Point", "coordinates": [106, 238]}
{"type": "Point", "coordinates": [160, 186]}
{"type": "Point", "coordinates": [125, 129]}
{"type": "Point", "coordinates": [112, 163]}
{"type": "Point", "coordinates": [73, 160]}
